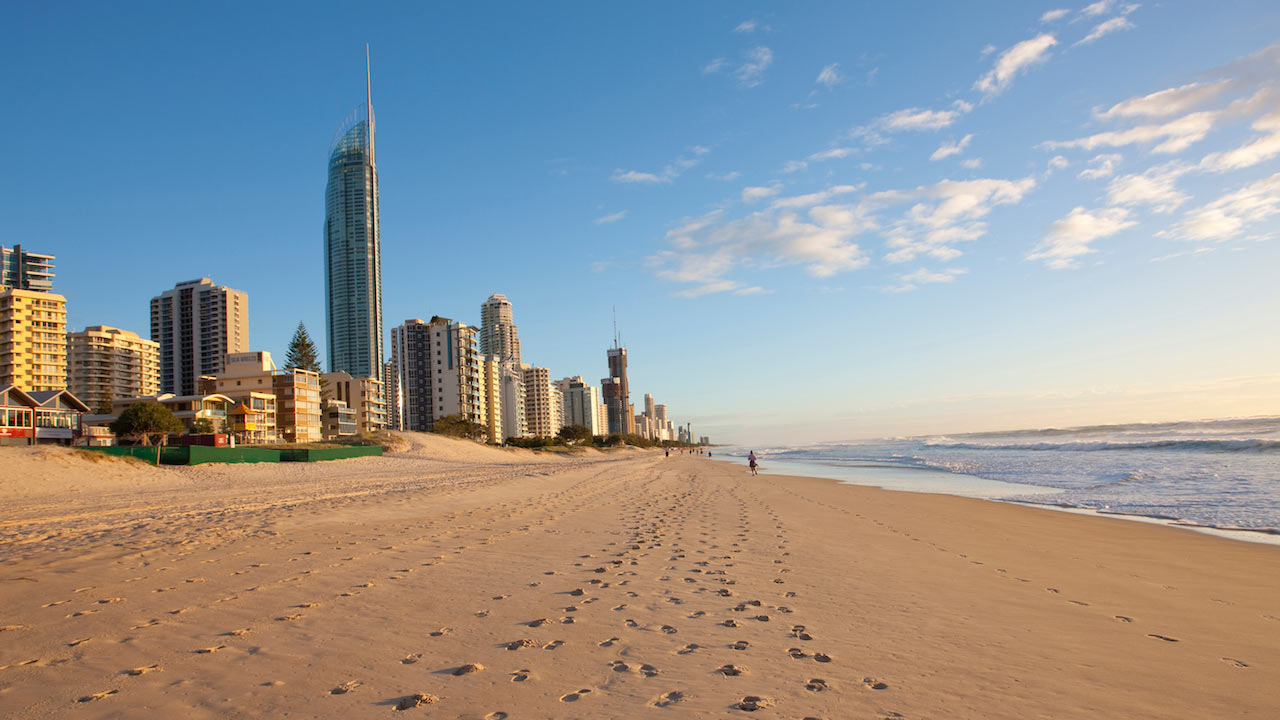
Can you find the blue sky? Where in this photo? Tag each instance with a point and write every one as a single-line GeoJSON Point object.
{"type": "Point", "coordinates": [817, 221]}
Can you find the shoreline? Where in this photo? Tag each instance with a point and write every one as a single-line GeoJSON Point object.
{"type": "Point", "coordinates": [1264, 536]}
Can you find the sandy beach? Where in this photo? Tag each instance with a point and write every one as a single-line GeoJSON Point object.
{"type": "Point", "coordinates": [451, 580]}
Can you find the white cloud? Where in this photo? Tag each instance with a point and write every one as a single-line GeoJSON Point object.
{"type": "Point", "coordinates": [830, 75]}
{"type": "Point", "coordinates": [746, 26]}
{"type": "Point", "coordinates": [947, 149]}
{"type": "Point", "coordinates": [1257, 150]}
{"type": "Point", "coordinates": [1103, 166]}
{"type": "Point", "coordinates": [816, 198]}
{"type": "Point", "coordinates": [1101, 7]}
{"type": "Point", "coordinates": [1072, 236]}
{"type": "Point", "coordinates": [1013, 61]}
{"type": "Point", "coordinates": [670, 172]}
{"type": "Point", "coordinates": [714, 66]}
{"type": "Point", "coordinates": [972, 163]}
{"type": "Point", "coordinates": [1106, 27]}
{"type": "Point", "coordinates": [750, 73]}
{"type": "Point", "coordinates": [1057, 162]}
{"type": "Point", "coordinates": [1171, 137]}
{"type": "Point", "coordinates": [946, 213]}
{"type": "Point", "coordinates": [753, 194]}
{"type": "Point", "coordinates": [987, 50]}
{"type": "Point", "coordinates": [913, 280]}
{"type": "Point", "coordinates": [1155, 187]}
{"type": "Point", "coordinates": [725, 177]}
{"type": "Point", "coordinates": [1171, 101]}
{"type": "Point", "coordinates": [918, 119]}
{"type": "Point", "coordinates": [610, 218]}
{"type": "Point", "coordinates": [1054, 15]}
{"type": "Point", "coordinates": [822, 156]}
{"type": "Point", "coordinates": [1228, 216]}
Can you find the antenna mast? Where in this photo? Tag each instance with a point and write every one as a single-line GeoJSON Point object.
{"type": "Point", "coordinates": [615, 327]}
{"type": "Point", "coordinates": [368, 84]}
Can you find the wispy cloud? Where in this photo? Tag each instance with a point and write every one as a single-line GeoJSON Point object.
{"type": "Point", "coordinates": [830, 75]}
{"type": "Point", "coordinates": [1230, 215]}
{"type": "Point", "coordinates": [1013, 61]}
{"type": "Point", "coordinates": [746, 27]}
{"type": "Point", "coordinates": [1102, 166]}
{"type": "Point", "coordinates": [610, 218]}
{"type": "Point", "coordinates": [669, 172]}
{"type": "Point", "coordinates": [1072, 237]}
{"type": "Point", "coordinates": [947, 149]}
{"type": "Point", "coordinates": [822, 156]}
{"type": "Point", "coordinates": [751, 72]}
{"type": "Point", "coordinates": [1102, 7]}
{"type": "Point", "coordinates": [1057, 162]}
{"type": "Point", "coordinates": [918, 119]}
{"type": "Point", "coordinates": [1257, 150]}
{"type": "Point", "coordinates": [1171, 101]}
{"type": "Point", "coordinates": [1156, 187]}
{"type": "Point", "coordinates": [1054, 15]}
{"type": "Point", "coordinates": [913, 280]}
{"type": "Point", "coordinates": [971, 163]}
{"type": "Point", "coordinates": [755, 194]}
{"type": "Point", "coordinates": [1170, 137]}
{"type": "Point", "coordinates": [1106, 27]}
{"type": "Point", "coordinates": [725, 177]}
{"type": "Point", "coordinates": [714, 66]}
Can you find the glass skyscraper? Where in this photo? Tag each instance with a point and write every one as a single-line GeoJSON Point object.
{"type": "Point", "coordinates": [353, 250]}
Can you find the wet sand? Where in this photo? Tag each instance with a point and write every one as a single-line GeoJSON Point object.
{"type": "Point", "coordinates": [464, 582]}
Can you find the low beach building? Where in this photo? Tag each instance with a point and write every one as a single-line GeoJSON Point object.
{"type": "Point", "coordinates": [339, 420]}
{"type": "Point", "coordinates": [293, 415]}
{"type": "Point", "coordinates": [366, 398]}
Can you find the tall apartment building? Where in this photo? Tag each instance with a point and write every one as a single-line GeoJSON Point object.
{"type": "Point", "coordinates": [22, 270]}
{"type": "Point", "coordinates": [105, 363]}
{"type": "Point", "coordinates": [498, 335]}
{"type": "Point", "coordinates": [353, 249]}
{"type": "Point", "coordinates": [617, 392]}
{"type": "Point", "coordinates": [511, 382]}
{"type": "Point", "coordinates": [491, 397]}
{"type": "Point", "coordinates": [250, 377]}
{"type": "Point", "coordinates": [437, 373]}
{"type": "Point", "coordinates": [542, 417]}
{"type": "Point", "coordinates": [197, 324]}
{"type": "Point", "coordinates": [365, 397]}
{"type": "Point", "coordinates": [33, 340]}
{"type": "Point", "coordinates": [581, 404]}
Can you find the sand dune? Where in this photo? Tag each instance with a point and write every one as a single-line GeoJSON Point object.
{"type": "Point", "coordinates": [443, 583]}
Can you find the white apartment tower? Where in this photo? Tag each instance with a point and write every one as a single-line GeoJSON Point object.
{"type": "Point", "coordinates": [541, 411]}
{"type": "Point", "coordinates": [196, 325]}
{"type": "Point", "coordinates": [511, 392]}
{"type": "Point", "coordinates": [498, 334]}
{"type": "Point", "coordinates": [581, 404]}
{"type": "Point", "coordinates": [105, 363]}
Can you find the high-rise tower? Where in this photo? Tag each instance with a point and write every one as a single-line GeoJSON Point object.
{"type": "Point", "coordinates": [498, 334]}
{"type": "Point", "coordinates": [353, 247]}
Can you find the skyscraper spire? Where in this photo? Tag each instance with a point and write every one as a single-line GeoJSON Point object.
{"type": "Point", "coordinates": [368, 85]}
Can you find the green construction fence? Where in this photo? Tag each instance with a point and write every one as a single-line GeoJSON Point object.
{"type": "Point", "coordinates": [199, 454]}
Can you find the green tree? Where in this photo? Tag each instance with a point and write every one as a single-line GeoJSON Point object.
{"type": "Point", "coordinates": [575, 434]}
{"type": "Point", "coordinates": [459, 427]}
{"type": "Point", "coordinates": [202, 426]}
{"type": "Point", "coordinates": [144, 419]}
{"type": "Point", "coordinates": [302, 351]}
{"type": "Point", "coordinates": [103, 407]}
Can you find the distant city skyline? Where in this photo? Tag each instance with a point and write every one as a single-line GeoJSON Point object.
{"type": "Point", "coordinates": [817, 222]}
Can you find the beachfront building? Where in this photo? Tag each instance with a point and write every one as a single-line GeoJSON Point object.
{"type": "Point", "coordinates": [250, 379]}
{"type": "Point", "coordinates": [33, 340]}
{"type": "Point", "coordinates": [542, 417]}
{"type": "Point", "coordinates": [196, 324]}
{"type": "Point", "coordinates": [339, 420]}
{"type": "Point", "coordinates": [353, 249]}
{"type": "Point", "coordinates": [617, 392]}
{"type": "Point", "coordinates": [581, 403]}
{"type": "Point", "coordinates": [187, 408]}
{"type": "Point", "coordinates": [47, 416]}
{"type": "Point", "coordinates": [366, 398]}
{"type": "Point", "coordinates": [511, 382]}
{"type": "Point", "coordinates": [436, 372]}
{"type": "Point", "coordinates": [498, 335]}
{"type": "Point", "coordinates": [104, 363]}
{"type": "Point", "coordinates": [491, 397]}
{"type": "Point", "coordinates": [22, 270]}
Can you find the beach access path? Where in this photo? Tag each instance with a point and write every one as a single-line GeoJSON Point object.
{"type": "Point", "coordinates": [465, 582]}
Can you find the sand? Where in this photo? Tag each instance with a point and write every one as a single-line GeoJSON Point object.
{"type": "Point", "coordinates": [450, 580]}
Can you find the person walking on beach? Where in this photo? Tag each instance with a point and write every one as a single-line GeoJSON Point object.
{"type": "Point", "coordinates": [751, 461]}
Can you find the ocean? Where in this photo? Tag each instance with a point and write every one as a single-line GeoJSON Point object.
{"type": "Point", "coordinates": [1222, 474]}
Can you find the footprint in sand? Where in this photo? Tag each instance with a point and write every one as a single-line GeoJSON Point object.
{"type": "Point", "coordinates": [731, 670]}
{"type": "Point", "coordinates": [411, 658]}
{"type": "Point", "coordinates": [619, 666]}
{"type": "Point", "coordinates": [144, 670]}
{"type": "Point", "coordinates": [797, 653]}
{"type": "Point", "coordinates": [667, 699]}
{"type": "Point", "coordinates": [816, 685]}
{"type": "Point", "coordinates": [607, 643]}
{"type": "Point", "coordinates": [1165, 638]}
{"type": "Point", "coordinates": [108, 601]}
{"type": "Point", "coordinates": [467, 669]}
{"type": "Point", "coordinates": [1234, 663]}
{"type": "Point", "coordinates": [649, 671]}
{"type": "Point", "coordinates": [496, 716]}
{"type": "Point", "coordinates": [873, 684]}
{"type": "Point", "coordinates": [538, 623]}
{"type": "Point", "coordinates": [289, 618]}
{"type": "Point", "coordinates": [238, 633]}
{"type": "Point", "coordinates": [553, 645]}
{"type": "Point", "coordinates": [520, 675]}
{"type": "Point", "coordinates": [669, 630]}
{"type": "Point", "coordinates": [55, 603]}
{"type": "Point", "coordinates": [210, 650]}
{"type": "Point", "coordinates": [740, 645]}
{"type": "Point", "coordinates": [77, 643]}
{"type": "Point", "coordinates": [441, 631]}
{"type": "Point", "coordinates": [1124, 618]}
{"type": "Point", "coordinates": [751, 703]}
{"type": "Point", "coordinates": [822, 657]}
{"type": "Point", "coordinates": [346, 687]}
{"type": "Point", "coordinates": [574, 696]}
{"type": "Point", "coordinates": [98, 696]}
{"type": "Point", "coordinates": [415, 700]}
